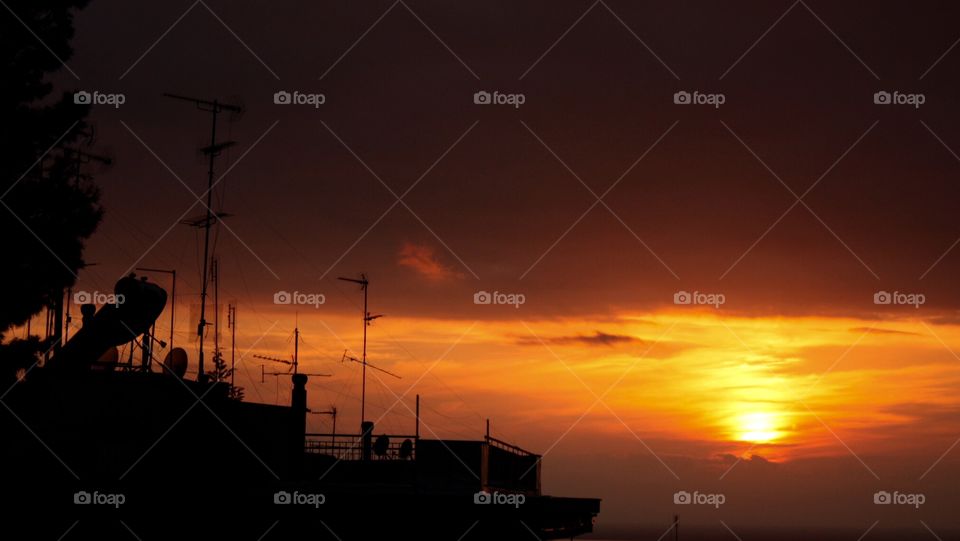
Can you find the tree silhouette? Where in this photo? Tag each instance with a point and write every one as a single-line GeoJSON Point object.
{"type": "Point", "coordinates": [221, 372]}
{"type": "Point", "coordinates": [45, 214]}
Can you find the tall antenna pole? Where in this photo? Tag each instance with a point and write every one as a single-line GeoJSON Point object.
{"type": "Point", "coordinates": [214, 108]}
{"type": "Point", "coordinates": [366, 323]}
{"type": "Point", "coordinates": [367, 318]}
{"type": "Point", "coordinates": [216, 314]}
{"type": "Point", "coordinates": [296, 348]}
{"type": "Point", "coordinates": [232, 321]}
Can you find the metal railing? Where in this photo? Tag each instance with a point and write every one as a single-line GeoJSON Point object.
{"type": "Point", "coordinates": [350, 446]}
{"type": "Point", "coordinates": [508, 447]}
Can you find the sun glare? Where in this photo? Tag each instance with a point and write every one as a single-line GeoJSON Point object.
{"type": "Point", "coordinates": [758, 427]}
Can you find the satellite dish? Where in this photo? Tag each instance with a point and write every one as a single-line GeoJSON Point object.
{"type": "Point", "coordinates": [108, 360]}
{"type": "Point", "coordinates": [176, 362]}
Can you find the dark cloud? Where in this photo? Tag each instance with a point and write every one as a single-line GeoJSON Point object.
{"type": "Point", "coordinates": [598, 338]}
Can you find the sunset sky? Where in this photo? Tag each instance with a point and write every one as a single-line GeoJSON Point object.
{"type": "Point", "coordinates": [598, 200]}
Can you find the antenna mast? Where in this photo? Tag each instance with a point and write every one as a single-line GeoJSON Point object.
{"type": "Point", "coordinates": [367, 318]}
{"type": "Point", "coordinates": [213, 107]}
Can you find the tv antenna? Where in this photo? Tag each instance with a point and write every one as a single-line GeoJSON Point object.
{"type": "Point", "coordinates": [332, 412]}
{"type": "Point", "coordinates": [367, 318]}
{"type": "Point", "coordinates": [214, 107]}
{"type": "Point", "coordinates": [350, 358]}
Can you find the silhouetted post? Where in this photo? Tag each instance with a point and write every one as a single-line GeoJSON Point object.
{"type": "Point", "coordinates": [366, 440]}
{"type": "Point", "coordinates": [298, 425]}
{"type": "Point", "coordinates": [417, 428]}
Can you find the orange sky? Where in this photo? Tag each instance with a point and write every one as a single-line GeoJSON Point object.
{"type": "Point", "coordinates": [700, 382]}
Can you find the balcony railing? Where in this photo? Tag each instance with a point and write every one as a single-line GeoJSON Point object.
{"type": "Point", "coordinates": [350, 446]}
